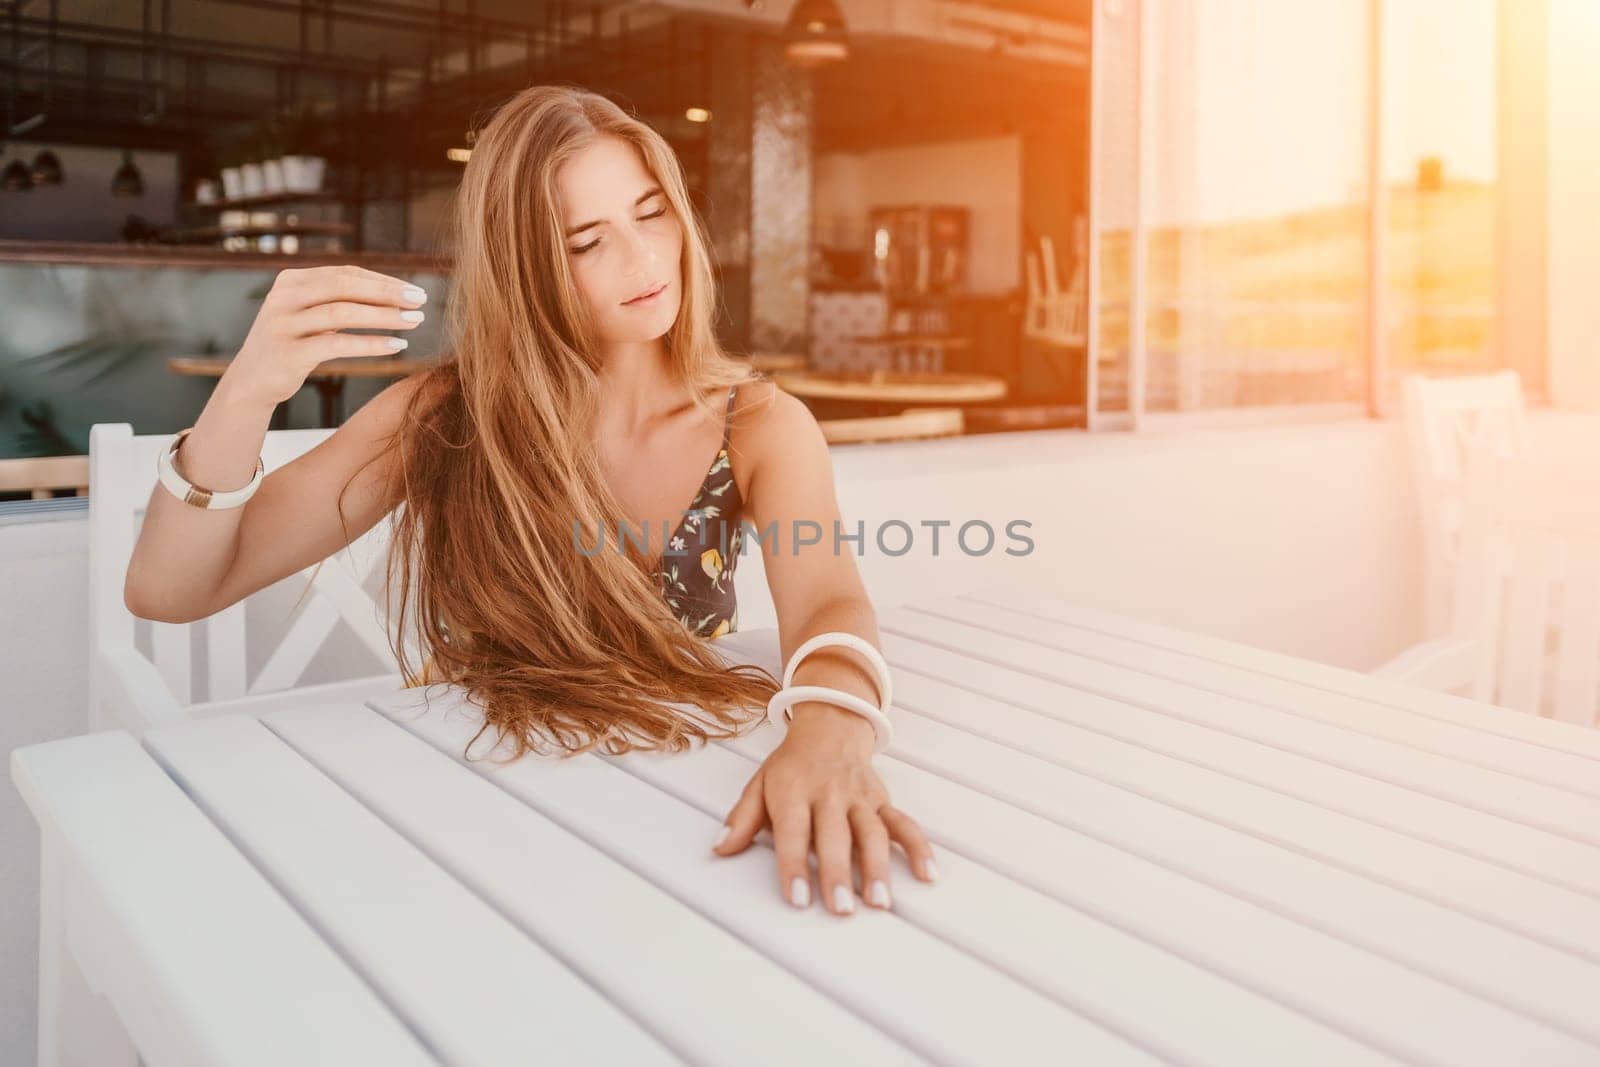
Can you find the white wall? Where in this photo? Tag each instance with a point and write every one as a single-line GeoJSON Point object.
{"type": "Point", "coordinates": [983, 175]}
{"type": "Point", "coordinates": [1300, 539]}
{"type": "Point", "coordinates": [44, 694]}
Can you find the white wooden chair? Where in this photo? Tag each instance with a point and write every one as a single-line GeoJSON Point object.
{"type": "Point", "coordinates": [1525, 612]}
{"type": "Point", "coordinates": [1442, 416]}
{"type": "Point", "coordinates": [129, 690]}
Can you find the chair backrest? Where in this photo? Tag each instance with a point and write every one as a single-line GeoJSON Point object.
{"type": "Point", "coordinates": [1053, 314]}
{"type": "Point", "coordinates": [1527, 590]}
{"type": "Point", "coordinates": [122, 474]}
{"type": "Point", "coordinates": [1444, 416]}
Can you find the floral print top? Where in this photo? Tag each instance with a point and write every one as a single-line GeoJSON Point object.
{"type": "Point", "coordinates": [696, 569]}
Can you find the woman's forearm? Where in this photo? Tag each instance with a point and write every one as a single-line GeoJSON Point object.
{"type": "Point", "coordinates": [183, 552]}
{"type": "Point", "coordinates": [839, 668]}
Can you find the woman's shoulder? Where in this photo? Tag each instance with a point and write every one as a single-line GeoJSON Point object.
{"type": "Point", "coordinates": [768, 424]}
{"type": "Point", "coordinates": [763, 414]}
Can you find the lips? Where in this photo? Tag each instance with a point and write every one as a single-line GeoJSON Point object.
{"type": "Point", "coordinates": [648, 292]}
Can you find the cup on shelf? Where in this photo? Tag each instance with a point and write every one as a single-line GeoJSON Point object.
{"type": "Point", "coordinates": [303, 174]}
{"type": "Point", "coordinates": [272, 176]}
{"type": "Point", "coordinates": [265, 220]}
{"type": "Point", "coordinates": [205, 191]}
{"type": "Point", "coordinates": [254, 179]}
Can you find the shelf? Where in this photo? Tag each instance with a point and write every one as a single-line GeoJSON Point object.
{"type": "Point", "coordinates": [214, 233]}
{"type": "Point", "coordinates": [265, 199]}
{"type": "Point", "coordinates": [107, 254]}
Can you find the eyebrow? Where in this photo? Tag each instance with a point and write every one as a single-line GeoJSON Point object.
{"type": "Point", "coordinates": [646, 195]}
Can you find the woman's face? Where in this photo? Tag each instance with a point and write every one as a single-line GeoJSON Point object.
{"type": "Point", "coordinates": [623, 238]}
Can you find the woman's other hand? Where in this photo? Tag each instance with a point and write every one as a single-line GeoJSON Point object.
{"type": "Point", "coordinates": [818, 790]}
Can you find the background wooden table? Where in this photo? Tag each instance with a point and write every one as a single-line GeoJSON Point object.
{"type": "Point", "coordinates": [883, 392]}
{"type": "Point", "coordinates": [1155, 847]}
{"type": "Point", "coordinates": [328, 378]}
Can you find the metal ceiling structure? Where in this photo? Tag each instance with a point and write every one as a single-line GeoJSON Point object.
{"type": "Point", "coordinates": [160, 72]}
{"type": "Point", "coordinates": [177, 74]}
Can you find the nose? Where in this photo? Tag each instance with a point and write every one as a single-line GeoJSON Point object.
{"type": "Point", "coordinates": [639, 254]}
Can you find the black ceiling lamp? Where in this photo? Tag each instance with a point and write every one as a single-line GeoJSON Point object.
{"type": "Point", "coordinates": [46, 168]}
{"type": "Point", "coordinates": [127, 181]}
{"type": "Point", "coordinates": [815, 33]}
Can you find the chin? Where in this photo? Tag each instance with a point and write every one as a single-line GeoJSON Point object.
{"type": "Point", "coordinates": [655, 326]}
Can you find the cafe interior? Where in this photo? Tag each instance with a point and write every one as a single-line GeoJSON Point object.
{"type": "Point", "coordinates": [874, 188]}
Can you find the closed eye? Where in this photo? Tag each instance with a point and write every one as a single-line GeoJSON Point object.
{"type": "Point", "coordinates": [591, 244]}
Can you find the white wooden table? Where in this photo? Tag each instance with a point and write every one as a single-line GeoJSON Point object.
{"type": "Point", "coordinates": [1155, 847]}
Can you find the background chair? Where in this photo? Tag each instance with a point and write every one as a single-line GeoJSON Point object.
{"type": "Point", "coordinates": [906, 426]}
{"type": "Point", "coordinates": [1525, 609]}
{"type": "Point", "coordinates": [1443, 416]}
{"type": "Point", "coordinates": [39, 477]}
{"type": "Point", "coordinates": [209, 659]}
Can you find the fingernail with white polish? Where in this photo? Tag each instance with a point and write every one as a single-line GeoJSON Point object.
{"type": "Point", "coordinates": [932, 870]}
{"type": "Point", "coordinates": [843, 900]}
{"type": "Point", "coordinates": [879, 894]}
{"type": "Point", "coordinates": [799, 892]}
{"type": "Point", "coordinates": [411, 316]}
{"type": "Point", "coordinates": [396, 343]}
{"type": "Point", "coordinates": [722, 836]}
{"type": "Point", "coordinates": [414, 295]}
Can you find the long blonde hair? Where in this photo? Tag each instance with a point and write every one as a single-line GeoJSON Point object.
{"type": "Point", "coordinates": [496, 462]}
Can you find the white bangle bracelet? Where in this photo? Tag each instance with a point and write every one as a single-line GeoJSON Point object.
{"type": "Point", "coordinates": [189, 493]}
{"type": "Point", "coordinates": [780, 708]}
{"type": "Point", "coordinates": [880, 666]}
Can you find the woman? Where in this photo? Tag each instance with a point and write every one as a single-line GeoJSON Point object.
{"type": "Point", "coordinates": [586, 392]}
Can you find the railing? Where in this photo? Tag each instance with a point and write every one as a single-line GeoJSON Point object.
{"type": "Point", "coordinates": [1212, 365]}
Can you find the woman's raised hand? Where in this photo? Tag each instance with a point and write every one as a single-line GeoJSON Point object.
{"type": "Point", "coordinates": [300, 321]}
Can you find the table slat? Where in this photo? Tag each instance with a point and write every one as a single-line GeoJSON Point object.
{"type": "Point", "coordinates": [187, 903]}
{"type": "Point", "coordinates": [1064, 727]}
{"type": "Point", "coordinates": [469, 982]}
{"type": "Point", "coordinates": [1156, 998]}
{"type": "Point", "coordinates": [1460, 741]}
{"type": "Point", "coordinates": [915, 988]}
{"type": "Point", "coordinates": [1196, 831]}
{"type": "Point", "coordinates": [1558, 811]}
{"type": "Point", "coordinates": [1400, 700]}
{"type": "Point", "coordinates": [703, 992]}
{"type": "Point", "coordinates": [1024, 818]}
{"type": "Point", "coordinates": [1521, 848]}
